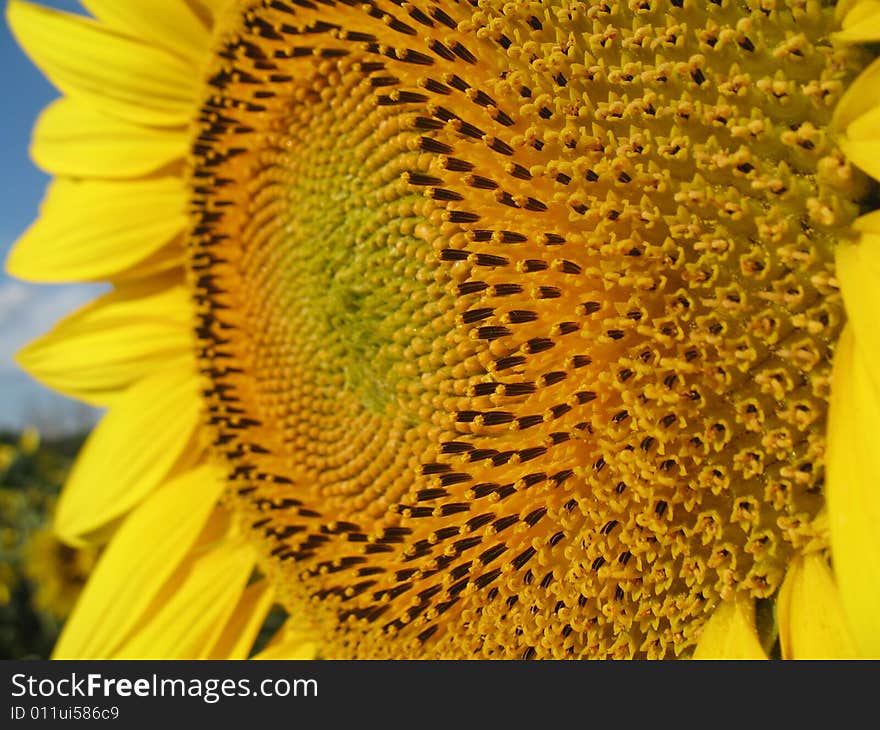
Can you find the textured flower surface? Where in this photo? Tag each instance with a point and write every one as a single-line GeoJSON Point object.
{"type": "Point", "coordinates": [467, 329]}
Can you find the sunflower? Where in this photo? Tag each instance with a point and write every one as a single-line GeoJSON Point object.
{"type": "Point", "coordinates": [490, 329]}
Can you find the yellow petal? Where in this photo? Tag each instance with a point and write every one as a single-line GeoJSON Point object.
{"type": "Point", "coordinates": [167, 261]}
{"type": "Point", "coordinates": [149, 546]}
{"type": "Point", "coordinates": [293, 641]}
{"type": "Point", "coordinates": [71, 138]}
{"type": "Point", "coordinates": [101, 350]}
{"type": "Point", "coordinates": [862, 141]}
{"type": "Point", "coordinates": [857, 10]}
{"type": "Point", "coordinates": [168, 23]}
{"type": "Point", "coordinates": [861, 24]}
{"type": "Point", "coordinates": [842, 9]}
{"type": "Point", "coordinates": [812, 624]}
{"type": "Point", "coordinates": [730, 633]}
{"type": "Point", "coordinates": [853, 477]}
{"type": "Point", "coordinates": [190, 621]}
{"type": "Point", "coordinates": [859, 97]}
{"type": "Point", "coordinates": [865, 126]}
{"type": "Point", "coordinates": [132, 451]}
{"type": "Point", "coordinates": [858, 271]}
{"type": "Point", "coordinates": [119, 75]}
{"type": "Point", "coordinates": [91, 230]}
{"type": "Point", "coordinates": [247, 619]}
{"type": "Point", "coordinates": [868, 223]}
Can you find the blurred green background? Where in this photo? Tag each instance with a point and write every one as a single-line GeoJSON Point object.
{"type": "Point", "coordinates": [40, 577]}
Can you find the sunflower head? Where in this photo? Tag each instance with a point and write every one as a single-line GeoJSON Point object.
{"type": "Point", "coordinates": [485, 329]}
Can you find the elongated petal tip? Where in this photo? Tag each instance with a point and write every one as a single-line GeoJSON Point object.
{"type": "Point", "coordinates": [116, 73]}
{"type": "Point", "coordinates": [730, 633]}
{"type": "Point", "coordinates": [812, 623]}
{"type": "Point", "coordinates": [238, 636]}
{"type": "Point", "coordinates": [73, 139]}
{"type": "Point", "coordinates": [102, 349]}
{"type": "Point", "coordinates": [126, 457]}
{"type": "Point", "coordinates": [97, 230]}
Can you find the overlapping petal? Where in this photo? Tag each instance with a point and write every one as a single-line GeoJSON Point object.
{"type": "Point", "coordinates": [74, 139]}
{"type": "Point", "coordinates": [190, 621]}
{"type": "Point", "coordinates": [145, 552]}
{"type": "Point", "coordinates": [812, 624]}
{"type": "Point", "coordinates": [240, 632]}
{"type": "Point", "coordinates": [94, 230]}
{"type": "Point", "coordinates": [114, 73]}
{"type": "Point", "coordinates": [730, 633]}
{"type": "Point", "coordinates": [130, 453]}
{"type": "Point", "coordinates": [170, 24]}
{"type": "Point", "coordinates": [98, 352]}
{"type": "Point", "coordinates": [860, 97]}
{"type": "Point", "coordinates": [860, 22]}
{"type": "Point", "coordinates": [843, 7]}
{"type": "Point", "coordinates": [862, 142]}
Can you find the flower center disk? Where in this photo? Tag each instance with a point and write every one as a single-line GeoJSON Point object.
{"type": "Point", "coordinates": [519, 317]}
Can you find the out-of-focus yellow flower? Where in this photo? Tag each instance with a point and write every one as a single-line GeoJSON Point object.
{"type": "Point", "coordinates": [29, 441]}
{"type": "Point", "coordinates": [57, 571]}
{"type": "Point", "coordinates": [7, 583]}
{"type": "Point", "coordinates": [7, 456]}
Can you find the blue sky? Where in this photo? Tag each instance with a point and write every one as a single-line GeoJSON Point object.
{"type": "Point", "coordinates": [28, 310]}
